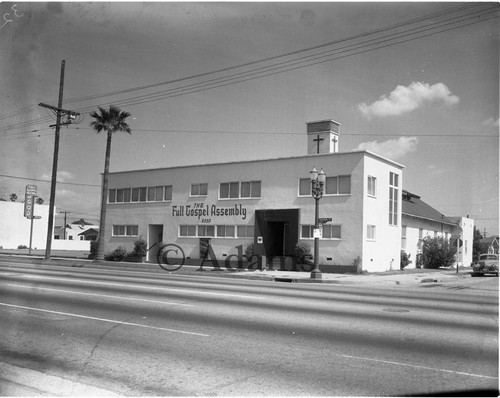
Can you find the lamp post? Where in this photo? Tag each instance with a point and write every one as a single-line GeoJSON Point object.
{"type": "Point", "coordinates": [317, 184]}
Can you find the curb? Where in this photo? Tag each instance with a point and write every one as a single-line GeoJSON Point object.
{"type": "Point", "coordinates": [343, 279]}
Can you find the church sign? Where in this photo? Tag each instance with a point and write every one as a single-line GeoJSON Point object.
{"type": "Point", "coordinates": [202, 210]}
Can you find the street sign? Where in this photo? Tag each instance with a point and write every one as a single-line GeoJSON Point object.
{"type": "Point", "coordinates": [317, 233]}
{"type": "Point", "coordinates": [29, 201]}
{"type": "Point", "coordinates": [31, 190]}
{"type": "Point", "coordinates": [28, 206]}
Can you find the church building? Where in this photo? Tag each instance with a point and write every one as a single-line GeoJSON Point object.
{"type": "Point", "coordinates": [266, 204]}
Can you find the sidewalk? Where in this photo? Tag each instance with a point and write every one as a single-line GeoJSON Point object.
{"type": "Point", "coordinates": [406, 277]}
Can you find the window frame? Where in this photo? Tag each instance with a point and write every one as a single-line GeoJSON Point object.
{"type": "Point", "coordinates": [371, 188]}
{"type": "Point", "coordinates": [371, 232]}
{"type": "Point", "coordinates": [199, 189]}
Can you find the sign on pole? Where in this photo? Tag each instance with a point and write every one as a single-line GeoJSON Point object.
{"type": "Point", "coordinates": [29, 200]}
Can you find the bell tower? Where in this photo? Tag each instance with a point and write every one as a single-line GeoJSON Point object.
{"type": "Point", "coordinates": [322, 137]}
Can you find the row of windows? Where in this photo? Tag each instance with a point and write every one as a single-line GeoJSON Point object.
{"type": "Point", "coordinates": [336, 185]}
{"type": "Point", "coordinates": [329, 231]}
{"type": "Point", "coordinates": [142, 194]}
{"type": "Point", "coordinates": [247, 231]}
{"type": "Point", "coordinates": [220, 231]}
{"type": "Point", "coordinates": [125, 230]}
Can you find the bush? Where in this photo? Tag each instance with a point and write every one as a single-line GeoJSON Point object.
{"type": "Point", "coordinates": [405, 260]}
{"type": "Point", "coordinates": [22, 247]}
{"type": "Point", "coordinates": [437, 252]}
{"type": "Point", "coordinates": [303, 253]}
{"type": "Point", "coordinates": [93, 249]}
{"type": "Point", "coordinates": [116, 255]}
{"type": "Point", "coordinates": [140, 249]}
{"type": "Point", "coordinates": [249, 251]}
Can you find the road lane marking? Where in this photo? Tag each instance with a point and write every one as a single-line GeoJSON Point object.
{"type": "Point", "coordinates": [99, 295]}
{"type": "Point", "coordinates": [418, 366]}
{"type": "Point", "coordinates": [144, 287]}
{"type": "Point", "coordinates": [105, 320]}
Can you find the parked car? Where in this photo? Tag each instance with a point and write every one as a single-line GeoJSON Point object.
{"type": "Point", "coordinates": [487, 264]}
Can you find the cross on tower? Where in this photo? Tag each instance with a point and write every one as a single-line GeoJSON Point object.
{"type": "Point", "coordinates": [318, 140]}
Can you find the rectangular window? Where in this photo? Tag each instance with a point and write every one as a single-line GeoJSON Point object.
{"type": "Point", "coordinates": [225, 231]}
{"type": "Point", "coordinates": [307, 231]}
{"type": "Point", "coordinates": [112, 196]}
{"type": "Point", "coordinates": [393, 198]}
{"type": "Point", "coordinates": [142, 194]}
{"type": "Point", "coordinates": [330, 231]}
{"type": "Point", "coordinates": [245, 231]}
{"type": "Point", "coordinates": [403, 237]}
{"type": "Point", "coordinates": [151, 194]}
{"type": "Point", "coordinates": [159, 194]}
{"type": "Point", "coordinates": [132, 230]}
{"type": "Point", "coordinates": [370, 232]}
{"type": "Point", "coordinates": [126, 195]}
{"type": "Point", "coordinates": [135, 194]}
{"type": "Point", "coordinates": [187, 230]}
{"type": "Point", "coordinates": [118, 230]}
{"type": "Point", "coordinates": [331, 186]}
{"type": "Point", "coordinates": [250, 189]}
{"type": "Point", "coordinates": [125, 230]}
{"type": "Point", "coordinates": [119, 195]}
{"type": "Point", "coordinates": [168, 192]}
{"type": "Point", "coordinates": [206, 230]}
{"type": "Point", "coordinates": [372, 186]}
{"type": "Point", "coordinates": [199, 189]}
{"type": "Point", "coordinates": [234, 190]}
{"type": "Point", "coordinates": [305, 187]}
{"type": "Point", "coordinates": [338, 185]}
{"type": "Point", "coordinates": [344, 185]}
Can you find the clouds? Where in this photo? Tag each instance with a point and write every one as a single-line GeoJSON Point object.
{"type": "Point", "coordinates": [62, 176]}
{"type": "Point", "coordinates": [491, 122]}
{"type": "Point", "coordinates": [406, 99]}
{"type": "Point", "coordinates": [392, 149]}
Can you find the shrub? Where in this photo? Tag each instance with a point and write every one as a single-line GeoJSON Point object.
{"type": "Point", "coordinates": [93, 249]}
{"type": "Point", "coordinates": [303, 253]}
{"type": "Point", "coordinates": [249, 251]}
{"type": "Point", "coordinates": [437, 252]}
{"type": "Point", "coordinates": [140, 248]}
{"type": "Point", "coordinates": [405, 260]}
{"type": "Point", "coordinates": [116, 255]}
{"type": "Point", "coordinates": [22, 247]}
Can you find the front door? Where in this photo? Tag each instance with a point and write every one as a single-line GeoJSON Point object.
{"type": "Point", "coordinates": [155, 237]}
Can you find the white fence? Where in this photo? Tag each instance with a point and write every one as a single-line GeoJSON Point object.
{"type": "Point", "coordinates": [80, 245]}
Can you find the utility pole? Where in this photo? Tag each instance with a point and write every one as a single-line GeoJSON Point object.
{"type": "Point", "coordinates": [65, 213]}
{"type": "Point", "coordinates": [70, 118]}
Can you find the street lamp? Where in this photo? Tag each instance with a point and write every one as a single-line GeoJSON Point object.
{"type": "Point", "coordinates": [317, 184]}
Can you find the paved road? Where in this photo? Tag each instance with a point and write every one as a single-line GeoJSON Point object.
{"type": "Point", "coordinates": [73, 331]}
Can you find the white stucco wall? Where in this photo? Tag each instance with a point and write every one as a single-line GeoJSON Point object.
{"type": "Point", "coordinates": [279, 190]}
{"type": "Point", "coordinates": [381, 254]}
{"type": "Point", "coordinates": [15, 228]}
{"type": "Point", "coordinates": [467, 235]}
{"type": "Point", "coordinates": [429, 229]}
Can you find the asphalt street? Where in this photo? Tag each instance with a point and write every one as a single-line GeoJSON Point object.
{"type": "Point", "coordinates": [98, 331]}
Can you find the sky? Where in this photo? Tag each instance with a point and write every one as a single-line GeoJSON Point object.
{"type": "Point", "coordinates": [416, 82]}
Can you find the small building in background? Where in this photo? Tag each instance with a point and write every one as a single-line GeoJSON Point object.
{"type": "Point", "coordinates": [421, 220]}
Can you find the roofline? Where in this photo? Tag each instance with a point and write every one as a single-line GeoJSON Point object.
{"type": "Point", "coordinates": [430, 219]}
{"type": "Point", "coordinates": [268, 160]}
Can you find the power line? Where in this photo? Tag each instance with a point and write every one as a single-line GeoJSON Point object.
{"type": "Point", "coordinates": [294, 64]}
{"type": "Point", "coordinates": [48, 181]}
{"type": "Point", "coordinates": [357, 36]}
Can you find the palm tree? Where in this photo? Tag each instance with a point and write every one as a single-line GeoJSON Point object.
{"type": "Point", "coordinates": [109, 120]}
